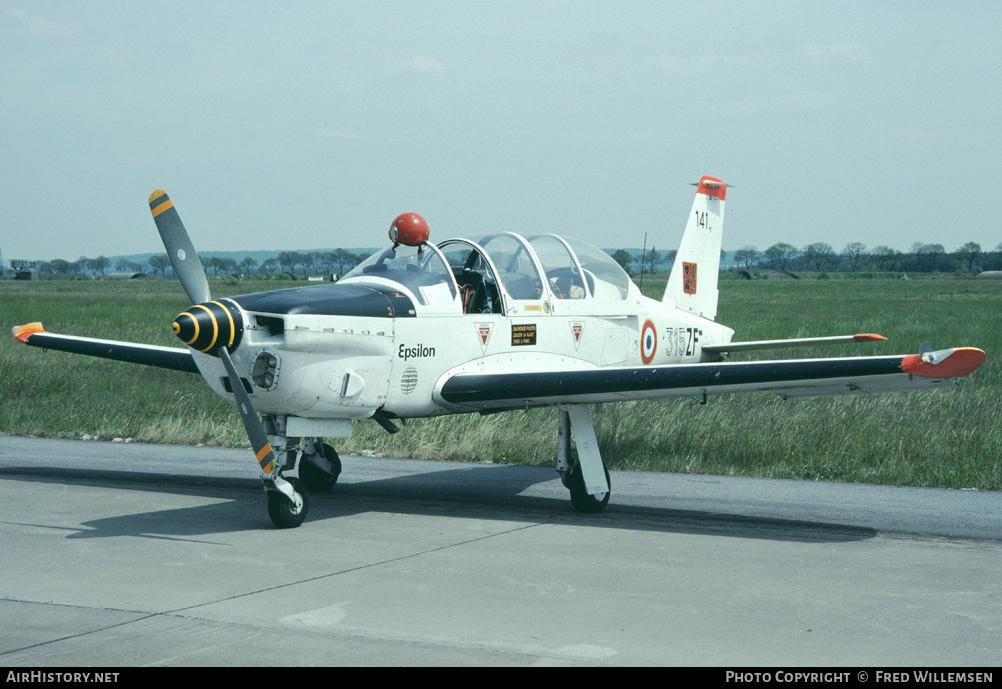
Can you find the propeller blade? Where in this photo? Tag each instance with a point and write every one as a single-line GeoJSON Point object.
{"type": "Point", "coordinates": [180, 250]}
{"type": "Point", "coordinates": [262, 449]}
{"type": "Point", "coordinates": [248, 414]}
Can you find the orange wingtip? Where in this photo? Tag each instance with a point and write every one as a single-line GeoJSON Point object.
{"type": "Point", "coordinates": [868, 337]}
{"type": "Point", "coordinates": [951, 363]}
{"type": "Point", "coordinates": [157, 194]}
{"type": "Point", "coordinates": [23, 332]}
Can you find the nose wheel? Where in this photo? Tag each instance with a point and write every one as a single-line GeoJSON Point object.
{"type": "Point", "coordinates": [310, 467]}
{"type": "Point", "coordinates": [288, 511]}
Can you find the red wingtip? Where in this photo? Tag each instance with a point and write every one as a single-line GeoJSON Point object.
{"type": "Point", "coordinates": [23, 332]}
{"type": "Point", "coordinates": [868, 337]}
{"type": "Point", "coordinates": [954, 364]}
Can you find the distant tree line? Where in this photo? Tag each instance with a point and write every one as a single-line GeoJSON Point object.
{"type": "Point", "coordinates": [855, 257]}
{"type": "Point", "coordinates": [652, 261]}
{"type": "Point", "coordinates": [292, 263]}
{"type": "Point", "coordinates": [821, 257]}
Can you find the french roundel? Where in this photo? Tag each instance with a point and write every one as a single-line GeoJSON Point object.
{"type": "Point", "coordinates": [648, 342]}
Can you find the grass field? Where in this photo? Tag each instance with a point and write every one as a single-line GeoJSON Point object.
{"type": "Point", "coordinates": [947, 438]}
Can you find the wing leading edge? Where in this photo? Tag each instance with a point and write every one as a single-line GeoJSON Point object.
{"type": "Point", "coordinates": [34, 335]}
{"type": "Point", "coordinates": [788, 378]}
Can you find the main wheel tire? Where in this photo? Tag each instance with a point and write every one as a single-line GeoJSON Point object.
{"type": "Point", "coordinates": [582, 501]}
{"type": "Point", "coordinates": [316, 479]}
{"type": "Point", "coordinates": [282, 511]}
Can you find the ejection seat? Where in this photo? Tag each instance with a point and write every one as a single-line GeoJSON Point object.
{"type": "Point", "coordinates": [474, 292]}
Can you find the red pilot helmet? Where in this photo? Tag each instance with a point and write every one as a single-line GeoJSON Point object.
{"type": "Point", "coordinates": [410, 229]}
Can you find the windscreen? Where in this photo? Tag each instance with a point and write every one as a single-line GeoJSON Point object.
{"type": "Point", "coordinates": [422, 270]}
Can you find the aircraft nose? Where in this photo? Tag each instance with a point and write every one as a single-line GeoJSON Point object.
{"type": "Point", "coordinates": [207, 326]}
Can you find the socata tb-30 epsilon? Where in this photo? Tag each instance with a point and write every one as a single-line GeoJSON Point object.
{"type": "Point", "coordinates": [483, 324]}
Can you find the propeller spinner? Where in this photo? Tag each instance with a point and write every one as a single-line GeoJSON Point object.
{"type": "Point", "coordinates": [210, 325]}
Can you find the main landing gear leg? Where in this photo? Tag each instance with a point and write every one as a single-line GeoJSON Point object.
{"type": "Point", "coordinates": [587, 479]}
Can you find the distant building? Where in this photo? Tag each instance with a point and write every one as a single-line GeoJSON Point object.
{"type": "Point", "coordinates": [24, 270]}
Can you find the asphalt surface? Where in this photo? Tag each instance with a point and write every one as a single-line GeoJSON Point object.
{"type": "Point", "coordinates": [120, 554]}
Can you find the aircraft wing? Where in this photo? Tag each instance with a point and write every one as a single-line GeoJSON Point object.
{"type": "Point", "coordinates": [34, 335]}
{"type": "Point", "coordinates": [787, 378]}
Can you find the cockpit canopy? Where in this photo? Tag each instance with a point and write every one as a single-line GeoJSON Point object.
{"type": "Point", "coordinates": [420, 269]}
{"type": "Point", "coordinates": [485, 272]}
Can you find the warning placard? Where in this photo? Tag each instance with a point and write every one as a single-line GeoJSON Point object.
{"type": "Point", "coordinates": [523, 334]}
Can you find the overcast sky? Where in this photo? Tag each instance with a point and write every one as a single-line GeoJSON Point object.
{"type": "Point", "coordinates": [312, 125]}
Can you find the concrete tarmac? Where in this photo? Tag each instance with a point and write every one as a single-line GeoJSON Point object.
{"type": "Point", "coordinates": [120, 554]}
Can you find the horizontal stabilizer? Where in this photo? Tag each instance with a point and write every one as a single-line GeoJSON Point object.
{"type": "Point", "coordinates": [34, 335]}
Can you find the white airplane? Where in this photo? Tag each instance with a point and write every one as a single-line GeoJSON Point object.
{"type": "Point", "coordinates": [484, 324]}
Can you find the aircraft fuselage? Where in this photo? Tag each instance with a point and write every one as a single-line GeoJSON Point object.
{"type": "Point", "coordinates": [350, 366]}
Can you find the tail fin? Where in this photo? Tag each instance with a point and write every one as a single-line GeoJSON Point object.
{"type": "Point", "coordinates": [692, 285]}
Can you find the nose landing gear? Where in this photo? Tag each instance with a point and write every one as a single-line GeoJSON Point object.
{"type": "Point", "coordinates": [314, 467]}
